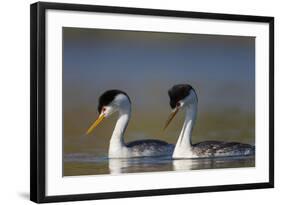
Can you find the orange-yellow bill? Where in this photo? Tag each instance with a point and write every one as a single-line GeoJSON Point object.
{"type": "Point", "coordinates": [171, 117]}
{"type": "Point", "coordinates": [95, 124]}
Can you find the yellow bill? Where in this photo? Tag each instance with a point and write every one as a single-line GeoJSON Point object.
{"type": "Point", "coordinates": [95, 124]}
{"type": "Point", "coordinates": [171, 117]}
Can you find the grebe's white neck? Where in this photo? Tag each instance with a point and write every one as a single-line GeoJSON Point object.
{"type": "Point", "coordinates": [183, 146]}
{"type": "Point", "coordinates": [117, 147]}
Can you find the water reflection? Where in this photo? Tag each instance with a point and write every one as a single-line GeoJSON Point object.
{"type": "Point", "coordinates": [119, 166]}
{"type": "Point", "coordinates": [212, 163]}
{"type": "Point", "coordinates": [116, 165]}
{"type": "Point", "coordinates": [142, 164]}
{"type": "Point", "coordinates": [91, 164]}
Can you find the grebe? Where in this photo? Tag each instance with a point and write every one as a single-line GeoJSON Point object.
{"type": "Point", "coordinates": [183, 97]}
{"type": "Point", "coordinates": [113, 101]}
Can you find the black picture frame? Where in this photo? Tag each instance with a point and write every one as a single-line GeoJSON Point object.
{"type": "Point", "coordinates": [38, 101]}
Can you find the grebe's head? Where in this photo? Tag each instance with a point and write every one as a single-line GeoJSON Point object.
{"type": "Point", "coordinates": [110, 102]}
{"type": "Point", "coordinates": [181, 96]}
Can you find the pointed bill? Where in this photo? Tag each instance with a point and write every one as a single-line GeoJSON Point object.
{"type": "Point", "coordinates": [95, 124]}
{"type": "Point", "coordinates": [171, 117]}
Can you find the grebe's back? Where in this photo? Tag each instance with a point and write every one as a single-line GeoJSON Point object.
{"type": "Point", "coordinates": [222, 149]}
{"type": "Point", "coordinates": [150, 147]}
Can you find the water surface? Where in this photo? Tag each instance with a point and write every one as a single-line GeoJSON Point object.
{"type": "Point", "coordinates": [88, 164]}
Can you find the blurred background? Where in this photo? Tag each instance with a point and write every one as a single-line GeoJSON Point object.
{"type": "Point", "coordinates": [145, 65]}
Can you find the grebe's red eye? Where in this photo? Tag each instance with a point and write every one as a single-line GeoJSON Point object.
{"type": "Point", "coordinates": [103, 109]}
{"type": "Point", "coordinates": [178, 104]}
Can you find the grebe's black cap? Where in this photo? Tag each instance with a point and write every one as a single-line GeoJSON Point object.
{"type": "Point", "coordinates": [179, 92]}
{"type": "Point", "coordinates": [108, 96]}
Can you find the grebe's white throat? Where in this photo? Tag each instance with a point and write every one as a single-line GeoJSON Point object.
{"type": "Point", "coordinates": [117, 146]}
{"type": "Point", "coordinates": [183, 146]}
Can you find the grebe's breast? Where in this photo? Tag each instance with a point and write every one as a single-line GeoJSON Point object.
{"type": "Point", "coordinates": [222, 149]}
